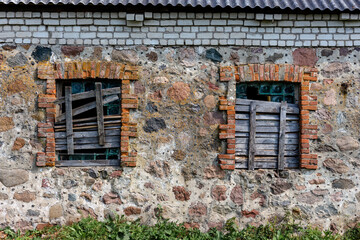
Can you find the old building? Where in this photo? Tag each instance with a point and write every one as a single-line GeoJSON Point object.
{"type": "Point", "coordinates": [212, 111]}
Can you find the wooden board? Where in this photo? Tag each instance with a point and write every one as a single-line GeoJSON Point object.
{"type": "Point", "coordinates": [252, 129]}
{"type": "Point", "coordinates": [290, 128]}
{"type": "Point", "coordinates": [69, 125]}
{"type": "Point", "coordinates": [282, 136]}
{"type": "Point", "coordinates": [266, 109]}
{"type": "Point", "coordinates": [265, 135]}
{"type": "Point", "coordinates": [267, 146]}
{"type": "Point", "coordinates": [99, 113]}
{"type": "Point", "coordinates": [240, 101]}
{"type": "Point", "coordinates": [90, 146]}
{"type": "Point", "coordinates": [88, 163]}
{"type": "Point", "coordinates": [259, 152]}
{"type": "Point", "coordinates": [274, 140]}
{"type": "Point", "coordinates": [85, 134]}
{"type": "Point", "coordinates": [89, 94]}
{"type": "Point", "coordinates": [245, 116]}
{"type": "Point", "coordinates": [87, 140]}
{"type": "Point", "coordinates": [266, 162]}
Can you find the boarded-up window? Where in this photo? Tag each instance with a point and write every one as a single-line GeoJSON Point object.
{"type": "Point", "coordinates": [267, 133]}
{"type": "Point", "coordinates": [88, 122]}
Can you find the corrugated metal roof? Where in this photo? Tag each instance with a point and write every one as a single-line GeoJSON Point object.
{"type": "Point", "coordinates": [333, 5]}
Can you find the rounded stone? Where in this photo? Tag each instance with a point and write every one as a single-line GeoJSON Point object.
{"type": "Point", "coordinates": [11, 178]}
{"type": "Point", "coordinates": [179, 91]}
{"type": "Point", "coordinates": [219, 192]}
{"type": "Point", "coordinates": [236, 195]}
{"type": "Point", "coordinates": [305, 57]}
{"type": "Point", "coordinates": [335, 165]}
{"type": "Point", "coordinates": [347, 143]}
{"type": "Point", "coordinates": [330, 97]}
{"type": "Point", "coordinates": [55, 211]}
{"type": "Point", "coordinates": [210, 101]}
{"type": "Point", "coordinates": [25, 196]}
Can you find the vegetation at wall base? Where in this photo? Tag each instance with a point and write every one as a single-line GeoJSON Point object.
{"type": "Point", "coordinates": [121, 229]}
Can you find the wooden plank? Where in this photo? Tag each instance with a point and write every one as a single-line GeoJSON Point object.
{"type": "Point", "coordinates": [84, 134]}
{"type": "Point", "coordinates": [266, 165]}
{"type": "Point", "coordinates": [258, 123]}
{"type": "Point", "coordinates": [87, 163]}
{"type": "Point", "coordinates": [290, 141]}
{"type": "Point", "coordinates": [290, 128]}
{"type": "Point", "coordinates": [87, 107]}
{"type": "Point", "coordinates": [265, 135]}
{"type": "Point", "coordinates": [259, 152]}
{"type": "Point", "coordinates": [90, 119]}
{"type": "Point", "coordinates": [89, 94]}
{"type": "Point", "coordinates": [69, 127]}
{"type": "Point", "coordinates": [87, 124]}
{"type": "Point", "coordinates": [265, 108]}
{"type": "Point", "coordinates": [267, 146]}
{"type": "Point", "coordinates": [240, 101]}
{"type": "Point", "coordinates": [100, 112]}
{"type": "Point", "coordinates": [266, 162]}
{"type": "Point", "coordinates": [266, 159]}
{"type": "Point", "coordinates": [90, 146]}
{"type": "Point", "coordinates": [245, 116]}
{"type": "Point", "coordinates": [283, 109]}
{"type": "Point", "coordinates": [252, 144]}
{"type": "Point", "coordinates": [88, 140]}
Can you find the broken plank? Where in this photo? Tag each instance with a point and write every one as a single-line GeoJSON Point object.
{"type": "Point", "coordinates": [112, 132]}
{"type": "Point", "coordinates": [99, 113]}
{"type": "Point", "coordinates": [266, 109]}
{"type": "Point", "coordinates": [89, 119]}
{"type": "Point", "coordinates": [245, 116]}
{"type": "Point", "coordinates": [267, 146]}
{"type": "Point", "coordinates": [265, 165]}
{"type": "Point", "coordinates": [88, 140]}
{"type": "Point", "coordinates": [240, 101]}
{"type": "Point", "coordinates": [289, 128]}
{"type": "Point", "coordinates": [68, 116]}
{"type": "Point", "coordinates": [265, 135]}
{"type": "Point", "coordinates": [87, 107]}
{"type": "Point", "coordinates": [90, 146]}
{"type": "Point", "coordinates": [89, 94]}
{"type": "Point", "coordinates": [272, 140]}
{"type": "Point", "coordinates": [87, 163]}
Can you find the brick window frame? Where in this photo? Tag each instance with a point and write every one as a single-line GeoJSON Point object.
{"type": "Point", "coordinates": [86, 70]}
{"type": "Point", "coordinates": [274, 73]}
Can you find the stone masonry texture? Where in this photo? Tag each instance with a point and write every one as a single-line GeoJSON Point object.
{"type": "Point", "coordinates": [180, 97]}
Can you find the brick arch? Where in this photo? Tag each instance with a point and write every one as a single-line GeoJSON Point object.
{"type": "Point", "coordinates": [270, 72]}
{"type": "Point", "coordinates": [86, 70]}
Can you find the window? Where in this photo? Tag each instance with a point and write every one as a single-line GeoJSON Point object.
{"type": "Point", "coordinates": [267, 125]}
{"type": "Point", "coordinates": [88, 122]}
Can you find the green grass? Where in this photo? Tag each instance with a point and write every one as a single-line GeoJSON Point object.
{"type": "Point", "coordinates": [119, 228]}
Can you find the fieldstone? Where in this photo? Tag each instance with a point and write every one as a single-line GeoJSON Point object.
{"type": "Point", "coordinates": [116, 174]}
{"type": "Point", "coordinates": [160, 80]}
{"type": "Point", "coordinates": [87, 196]}
{"type": "Point", "coordinates": [13, 177]}
{"type": "Point", "coordinates": [343, 183]}
{"type": "Point", "coordinates": [97, 186]}
{"type": "Point", "coordinates": [179, 91]}
{"type": "Point", "coordinates": [219, 192]}
{"type": "Point", "coordinates": [72, 197]}
{"type": "Point", "coordinates": [262, 197]}
{"type": "Point", "coordinates": [335, 69]}
{"type": "Point", "coordinates": [25, 196]}
{"type": "Point", "coordinates": [70, 183]}
{"type": "Point", "coordinates": [33, 213]}
{"type": "Point", "coordinates": [149, 185]}
{"type": "Point", "coordinates": [327, 128]}
{"type": "Point", "coordinates": [41, 54]}
{"type": "Point", "coordinates": [347, 143]}
{"type": "Point", "coordinates": [162, 197]}
{"type": "Point", "coordinates": [280, 186]}
{"type": "Point", "coordinates": [274, 57]}
{"type": "Point", "coordinates": [181, 194]}
{"type": "Point", "coordinates": [72, 51]}
{"type": "Point", "coordinates": [330, 97]}
{"type": "Point", "coordinates": [308, 198]}
{"type": "Point", "coordinates": [111, 197]}
{"type": "Point", "coordinates": [335, 165]}
{"type": "Point", "coordinates": [253, 59]}
{"type": "Point", "coordinates": [250, 214]}
{"type": "Point", "coordinates": [8, 47]}
{"type": "Point", "coordinates": [325, 211]}
{"type": "Point", "coordinates": [320, 192]}
{"type": "Point", "coordinates": [125, 56]}
{"type": "Point", "coordinates": [212, 118]}
{"type": "Point", "coordinates": [214, 172]}
{"type": "Point", "coordinates": [305, 57]}
{"type": "Point", "coordinates": [325, 148]}
{"type": "Point", "coordinates": [97, 54]}
{"type": "Point", "coordinates": [326, 52]}
{"type": "Point", "coordinates": [89, 181]}
{"type": "Point", "coordinates": [210, 101]}
{"type": "Point", "coordinates": [197, 209]}
{"type": "Point", "coordinates": [344, 51]}
{"type": "Point", "coordinates": [187, 56]}
{"type": "Point", "coordinates": [213, 55]}
{"type": "Point", "coordinates": [154, 125]}
{"type": "Point", "coordinates": [152, 56]}
{"type": "Point", "coordinates": [178, 155]}
{"type": "Point", "coordinates": [189, 225]}
{"type": "Point", "coordinates": [217, 225]}
{"type": "Point", "coordinates": [234, 56]}
{"type": "Point", "coordinates": [87, 212]}
{"type": "Point", "coordinates": [323, 114]}
{"type": "Point", "coordinates": [18, 144]}
{"type": "Point", "coordinates": [93, 173]}
{"type": "Point", "coordinates": [3, 196]}
{"type": "Point", "coordinates": [151, 107]}
{"type": "Point", "coordinates": [132, 211]}
{"type": "Point", "coordinates": [139, 88]}
{"type": "Point", "coordinates": [236, 195]}
{"type": "Point", "coordinates": [316, 87]}
{"type": "Point", "coordinates": [203, 132]}
{"type": "Point", "coordinates": [6, 123]}
{"type": "Point", "coordinates": [45, 183]}
{"type": "Point", "coordinates": [156, 96]}
{"type": "Point", "coordinates": [18, 60]}
{"type": "Point", "coordinates": [356, 195]}
{"type": "Point", "coordinates": [317, 181]}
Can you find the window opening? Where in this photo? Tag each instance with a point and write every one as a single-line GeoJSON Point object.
{"type": "Point", "coordinates": [88, 121]}
{"type": "Point", "coordinates": [267, 125]}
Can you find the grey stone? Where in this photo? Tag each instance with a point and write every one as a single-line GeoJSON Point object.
{"type": "Point", "coordinates": [154, 125]}
{"type": "Point", "coordinates": [335, 165]}
{"type": "Point", "coordinates": [3, 196]}
{"type": "Point", "coordinates": [326, 211]}
{"type": "Point", "coordinates": [72, 197]}
{"type": "Point", "coordinates": [347, 143]}
{"type": "Point", "coordinates": [14, 177]}
{"type": "Point", "coordinates": [55, 211]}
{"type": "Point", "coordinates": [69, 183]}
{"type": "Point", "coordinates": [125, 56]}
{"type": "Point", "coordinates": [343, 183]}
{"type": "Point", "coordinates": [32, 213]}
{"type": "Point", "coordinates": [41, 54]}
{"type": "Point", "coordinates": [18, 60]}
{"type": "Point", "coordinates": [213, 55]}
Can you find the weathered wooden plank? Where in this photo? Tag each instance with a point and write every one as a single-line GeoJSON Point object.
{"type": "Point", "coordinates": [245, 116]}
{"type": "Point", "coordinates": [90, 146]}
{"type": "Point", "coordinates": [265, 135]}
{"type": "Point", "coordinates": [69, 125]}
{"type": "Point", "coordinates": [89, 94]}
{"type": "Point", "coordinates": [87, 107]}
{"type": "Point", "coordinates": [290, 128]}
{"type": "Point", "coordinates": [259, 152]}
{"type": "Point", "coordinates": [252, 144]}
{"type": "Point", "coordinates": [266, 165]}
{"type": "Point", "coordinates": [282, 149]}
{"type": "Point", "coordinates": [108, 139]}
{"type": "Point", "coordinates": [87, 163]}
{"type": "Point", "coordinates": [271, 140]}
{"type": "Point", "coordinates": [244, 146]}
{"type": "Point", "coordinates": [266, 158]}
{"type": "Point", "coordinates": [89, 119]}
{"type": "Point", "coordinates": [84, 134]}
{"type": "Point", "coordinates": [265, 109]}
{"type": "Point", "coordinates": [100, 113]}
{"type": "Point", "coordinates": [87, 124]}
{"type": "Point", "coordinates": [240, 101]}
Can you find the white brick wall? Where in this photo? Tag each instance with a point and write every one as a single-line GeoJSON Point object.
{"type": "Point", "coordinates": [180, 28]}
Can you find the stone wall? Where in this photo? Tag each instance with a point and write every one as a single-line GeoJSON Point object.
{"type": "Point", "coordinates": [180, 28]}
{"type": "Point", "coordinates": [178, 143]}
